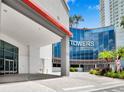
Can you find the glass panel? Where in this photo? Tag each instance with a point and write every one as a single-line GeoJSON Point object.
{"type": "Point", "coordinates": [103, 38]}
{"type": "Point", "coordinates": [11, 65]}
{"type": "Point", "coordinates": [9, 54]}
{"type": "Point", "coordinates": [1, 65]}
{"type": "Point", "coordinates": [6, 65]}
{"type": "Point", "coordinates": [8, 47]}
{"type": "Point", "coordinates": [1, 44]}
{"type": "Point", "coordinates": [1, 53]}
{"type": "Point", "coordinates": [15, 66]}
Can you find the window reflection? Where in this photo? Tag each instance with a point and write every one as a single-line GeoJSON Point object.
{"type": "Point", "coordinates": [104, 39]}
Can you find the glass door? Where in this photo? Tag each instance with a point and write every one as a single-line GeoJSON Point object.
{"type": "Point", "coordinates": [8, 58]}
{"type": "Point", "coordinates": [6, 66]}
{"type": "Point", "coordinates": [9, 66]}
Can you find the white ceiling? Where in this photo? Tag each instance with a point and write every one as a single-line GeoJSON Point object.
{"type": "Point", "coordinates": [24, 29]}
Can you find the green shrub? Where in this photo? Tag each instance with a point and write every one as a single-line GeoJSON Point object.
{"type": "Point", "coordinates": [98, 73]}
{"type": "Point", "coordinates": [122, 72]}
{"type": "Point", "coordinates": [121, 76]}
{"type": "Point", "coordinates": [72, 69]}
{"type": "Point", "coordinates": [97, 69]}
{"type": "Point", "coordinates": [115, 75]}
{"type": "Point", "coordinates": [91, 71]}
{"type": "Point", "coordinates": [112, 74]}
{"type": "Point", "coordinates": [108, 74]}
{"type": "Point", "coordinates": [94, 72]}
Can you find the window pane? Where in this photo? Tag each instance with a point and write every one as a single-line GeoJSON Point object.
{"type": "Point", "coordinates": [1, 65]}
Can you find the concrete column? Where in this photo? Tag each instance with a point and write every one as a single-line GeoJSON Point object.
{"type": "Point", "coordinates": [95, 65]}
{"type": "Point", "coordinates": [65, 62]}
{"type": "Point", "coordinates": [28, 68]}
{"type": "Point", "coordinates": [79, 65]}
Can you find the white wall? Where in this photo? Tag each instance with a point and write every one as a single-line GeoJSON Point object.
{"type": "Point", "coordinates": [35, 60]}
{"type": "Point", "coordinates": [107, 13]}
{"type": "Point", "coordinates": [34, 53]}
{"type": "Point", "coordinates": [22, 52]}
{"type": "Point", "coordinates": [120, 38]}
{"type": "Point", "coordinates": [46, 58]}
{"type": "Point", "coordinates": [56, 69]}
{"type": "Point", "coordinates": [56, 9]}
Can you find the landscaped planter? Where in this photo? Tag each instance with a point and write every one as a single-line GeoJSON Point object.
{"type": "Point", "coordinates": [111, 74]}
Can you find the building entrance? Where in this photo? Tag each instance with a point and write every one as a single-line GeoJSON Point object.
{"type": "Point", "coordinates": [8, 58]}
{"type": "Point", "coordinates": [10, 67]}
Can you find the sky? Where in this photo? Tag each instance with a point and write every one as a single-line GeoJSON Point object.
{"type": "Point", "coordinates": [88, 9]}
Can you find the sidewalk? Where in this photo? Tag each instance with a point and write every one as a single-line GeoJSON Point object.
{"type": "Point", "coordinates": [77, 82]}
{"type": "Point", "coordinates": [27, 86]}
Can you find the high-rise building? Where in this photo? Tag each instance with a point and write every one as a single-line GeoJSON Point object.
{"type": "Point", "coordinates": [85, 46]}
{"type": "Point", "coordinates": [111, 12]}
{"type": "Point", "coordinates": [104, 13]}
{"type": "Point", "coordinates": [116, 12]}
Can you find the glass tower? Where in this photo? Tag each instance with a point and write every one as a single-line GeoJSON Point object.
{"type": "Point", "coordinates": [85, 44]}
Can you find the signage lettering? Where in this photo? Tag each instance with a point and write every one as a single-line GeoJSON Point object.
{"type": "Point", "coordinates": [82, 43]}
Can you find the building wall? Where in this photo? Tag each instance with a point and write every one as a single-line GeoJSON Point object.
{"type": "Point", "coordinates": [116, 12]}
{"type": "Point", "coordinates": [104, 13]}
{"type": "Point", "coordinates": [57, 9]}
{"type": "Point", "coordinates": [107, 13]}
{"type": "Point", "coordinates": [39, 59]}
{"type": "Point", "coordinates": [46, 58]}
{"type": "Point", "coordinates": [120, 38]}
{"type": "Point", "coordinates": [23, 56]}
{"type": "Point", "coordinates": [113, 10]}
{"type": "Point", "coordinates": [86, 44]}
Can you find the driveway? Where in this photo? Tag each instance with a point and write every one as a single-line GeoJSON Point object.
{"type": "Point", "coordinates": [78, 81]}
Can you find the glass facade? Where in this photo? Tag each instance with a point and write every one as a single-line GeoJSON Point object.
{"type": "Point", "coordinates": [85, 44]}
{"type": "Point", "coordinates": [8, 58]}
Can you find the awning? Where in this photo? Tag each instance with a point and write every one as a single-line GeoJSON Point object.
{"type": "Point", "coordinates": [39, 15]}
{"type": "Point", "coordinates": [47, 16]}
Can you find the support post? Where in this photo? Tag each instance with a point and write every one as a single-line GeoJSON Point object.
{"type": "Point", "coordinates": [95, 65]}
{"type": "Point", "coordinates": [28, 47]}
{"type": "Point", "coordinates": [65, 62]}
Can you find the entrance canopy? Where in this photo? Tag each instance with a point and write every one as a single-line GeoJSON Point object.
{"type": "Point", "coordinates": [30, 19]}
{"type": "Point", "coordinates": [26, 22]}
{"type": "Point", "coordinates": [25, 30]}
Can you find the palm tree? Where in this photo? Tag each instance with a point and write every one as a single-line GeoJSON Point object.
{"type": "Point", "coordinates": [122, 22]}
{"type": "Point", "coordinates": [120, 52]}
{"type": "Point", "coordinates": [75, 20]}
{"type": "Point", "coordinates": [107, 55]}
{"type": "Point", "coordinates": [78, 19]}
{"type": "Point", "coordinates": [71, 21]}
